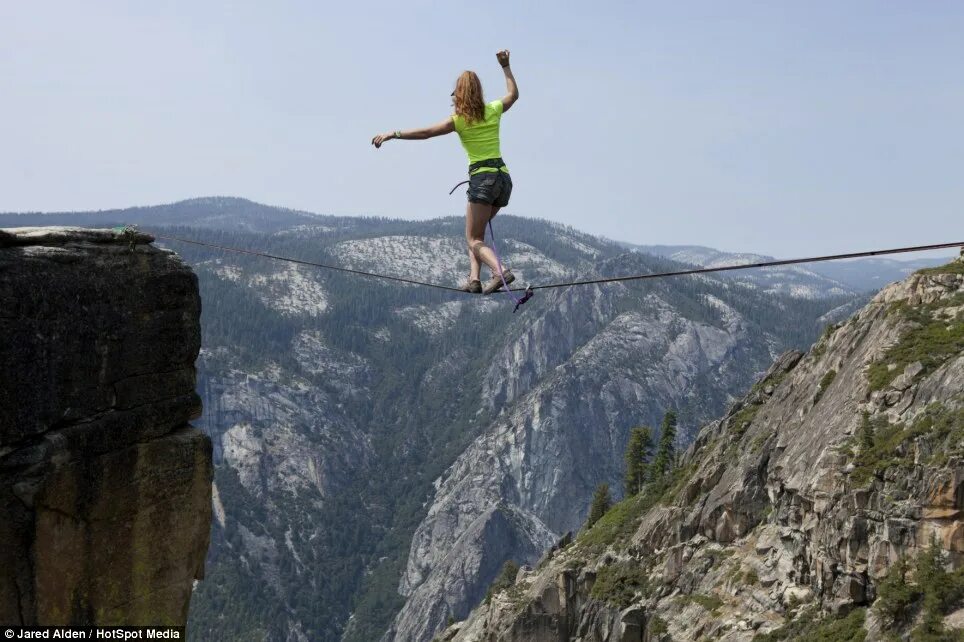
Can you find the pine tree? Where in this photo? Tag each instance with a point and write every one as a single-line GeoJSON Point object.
{"type": "Point", "coordinates": [665, 451]}
{"type": "Point", "coordinates": [600, 504]}
{"type": "Point", "coordinates": [638, 451]}
{"type": "Point", "coordinates": [504, 580]}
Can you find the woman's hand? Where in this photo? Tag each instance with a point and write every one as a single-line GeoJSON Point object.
{"type": "Point", "coordinates": [381, 138]}
{"type": "Point", "coordinates": [503, 57]}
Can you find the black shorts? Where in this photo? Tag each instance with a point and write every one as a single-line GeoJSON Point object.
{"type": "Point", "coordinates": [491, 188]}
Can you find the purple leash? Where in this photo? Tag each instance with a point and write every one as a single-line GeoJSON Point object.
{"type": "Point", "coordinates": [498, 261]}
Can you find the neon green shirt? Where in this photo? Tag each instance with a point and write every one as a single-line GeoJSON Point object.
{"type": "Point", "coordinates": [481, 139]}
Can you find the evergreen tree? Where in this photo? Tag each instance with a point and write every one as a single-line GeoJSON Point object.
{"type": "Point", "coordinates": [638, 451]}
{"type": "Point", "coordinates": [600, 504]}
{"type": "Point", "coordinates": [665, 451]}
{"type": "Point", "coordinates": [504, 580]}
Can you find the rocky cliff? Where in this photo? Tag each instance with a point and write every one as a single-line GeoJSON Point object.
{"type": "Point", "coordinates": [793, 515]}
{"type": "Point", "coordinates": [105, 488]}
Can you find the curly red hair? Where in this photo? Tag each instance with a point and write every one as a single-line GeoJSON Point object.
{"type": "Point", "coordinates": [469, 103]}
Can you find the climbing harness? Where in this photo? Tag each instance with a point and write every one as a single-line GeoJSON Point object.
{"type": "Point", "coordinates": [494, 163]}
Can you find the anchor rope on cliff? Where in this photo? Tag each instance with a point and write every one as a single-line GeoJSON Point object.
{"type": "Point", "coordinates": [611, 279]}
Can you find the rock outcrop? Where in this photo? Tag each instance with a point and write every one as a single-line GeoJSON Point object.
{"type": "Point", "coordinates": [837, 464]}
{"type": "Point", "coordinates": [105, 488]}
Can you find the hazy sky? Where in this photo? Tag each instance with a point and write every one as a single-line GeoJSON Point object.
{"type": "Point", "coordinates": [778, 127]}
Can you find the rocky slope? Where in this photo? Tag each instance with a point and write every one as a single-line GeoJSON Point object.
{"type": "Point", "coordinates": [788, 516]}
{"type": "Point", "coordinates": [105, 488]}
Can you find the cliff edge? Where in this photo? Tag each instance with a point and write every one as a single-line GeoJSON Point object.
{"type": "Point", "coordinates": [105, 488]}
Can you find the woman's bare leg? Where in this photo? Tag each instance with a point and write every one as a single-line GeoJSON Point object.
{"type": "Point", "coordinates": [474, 265]}
{"type": "Point", "coordinates": [477, 216]}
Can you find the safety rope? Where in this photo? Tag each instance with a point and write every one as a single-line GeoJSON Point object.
{"type": "Point", "coordinates": [746, 266]}
{"type": "Point", "coordinates": [300, 262]}
{"type": "Point", "coordinates": [611, 279]}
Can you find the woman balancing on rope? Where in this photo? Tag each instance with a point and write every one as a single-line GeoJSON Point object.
{"type": "Point", "coordinates": [477, 124]}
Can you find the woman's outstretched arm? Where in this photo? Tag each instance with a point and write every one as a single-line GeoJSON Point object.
{"type": "Point", "coordinates": [509, 99]}
{"type": "Point", "coordinates": [447, 126]}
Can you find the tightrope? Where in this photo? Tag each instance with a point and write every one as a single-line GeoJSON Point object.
{"type": "Point", "coordinates": [300, 262]}
{"type": "Point", "coordinates": [747, 266]}
{"type": "Point", "coordinates": [611, 279]}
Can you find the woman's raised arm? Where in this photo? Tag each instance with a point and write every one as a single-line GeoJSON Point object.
{"type": "Point", "coordinates": [447, 126]}
{"type": "Point", "coordinates": [509, 99]}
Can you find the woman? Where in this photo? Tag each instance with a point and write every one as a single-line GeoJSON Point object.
{"type": "Point", "coordinates": [477, 124]}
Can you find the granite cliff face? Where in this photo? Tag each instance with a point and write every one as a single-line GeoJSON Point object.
{"type": "Point", "coordinates": [105, 488]}
{"type": "Point", "coordinates": [796, 505]}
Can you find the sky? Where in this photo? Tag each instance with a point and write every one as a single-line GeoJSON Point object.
{"type": "Point", "coordinates": [785, 128]}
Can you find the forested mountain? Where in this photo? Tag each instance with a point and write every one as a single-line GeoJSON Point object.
{"type": "Point", "coordinates": [382, 449]}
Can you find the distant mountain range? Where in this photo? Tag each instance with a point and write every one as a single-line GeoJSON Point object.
{"type": "Point", "coordinates": [817, 279]}
{"type": "Point", "coordinates": [382, 449]}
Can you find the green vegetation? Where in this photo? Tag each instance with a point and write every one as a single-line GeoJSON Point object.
{"type": "Point", "coordinates": [824, 384]}
{"type": "Point", "coordinates": [504, 580]}
{"type": "Point", "coordinates": [656, 627]}
{"type": "Point", "coordinates": [710, 603]}
{"type": "Point", "coordinates": [616, 524]}
{"type": "Point", "coordinates": [934, 593]}
{"type": "Point", "coordinates": [930, 338]}
{"type": "Point", "coordinates": [750, 578]}
{"type": "Point", "coordinates": [620, 522]}
{"type": "Point", "coordinates": [673, 483]}
{"type": "Point", "coordinates": [619, 584]}
{"type": "Point", "coordinates": [947, 429]}
{"type": "Point", "coordinates": [638, 450]}
{"type": "Point", "coordinates": [810, 627]}
{"type": "Point", "coordinates": [954, 267]}
{"type": "Point", "coordinates": [941, 425]}
{"type": "Point", "coordinates": [601, 502]}
{"type": "Point", "coordinates": [665, 452]}
{"type": "Point", "coordinates": [740, 422]}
